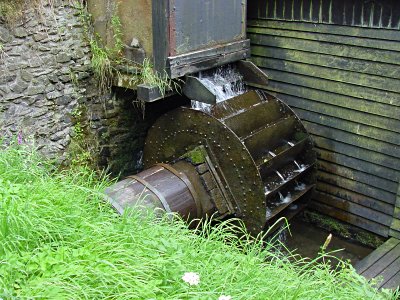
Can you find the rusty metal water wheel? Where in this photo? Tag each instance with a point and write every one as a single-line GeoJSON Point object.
{"type": "Point", "coordinates": [257, 161]}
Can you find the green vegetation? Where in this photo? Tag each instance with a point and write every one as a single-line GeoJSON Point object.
{"type": "Point", "coordinates": [82, 150]}
{"type": "Point", "coordinates": [333, 225]}
{"type": "Point", "coordinates": [11, 11]}
{"type": "Point", "coordinates": [197, 155]}
{"type": "Point", "coordinates": [60, 240]}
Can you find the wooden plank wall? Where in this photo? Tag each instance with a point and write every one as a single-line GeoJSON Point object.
{"type": "Point", "coordinates": [344, 83]}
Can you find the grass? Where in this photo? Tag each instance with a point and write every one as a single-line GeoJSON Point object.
{"type": "Point", "coordinates": [60, 240]}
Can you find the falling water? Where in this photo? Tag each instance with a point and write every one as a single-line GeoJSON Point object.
{"type": "Point", "coordinates": [300, 167]}
{"type": "Point", "coordinates": [225, 82]}
{"type": "Point", "coordinates": [280, 175]}
{"type": "Point", "coordinates": [201, 106]}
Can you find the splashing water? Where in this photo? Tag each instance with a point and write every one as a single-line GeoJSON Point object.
{"type": "Point", "coordinates": [225, 82]}
{"type": "Point", "coordinates": [300, 187]}
{"type": "Point", "coordinates": [201, 106]}
{"type": "Point", "coordinates": [286, 199]}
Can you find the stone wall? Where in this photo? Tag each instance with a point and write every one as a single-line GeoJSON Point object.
{"type": "Point", "coordinates": [41, 54]}
{"type": "Point", "coordinates": [47, 92]}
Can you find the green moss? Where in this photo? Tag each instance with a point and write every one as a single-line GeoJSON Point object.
{"type": "Point", "coordinates": [196, 156]}
{"type": "Point", "coordinates": [11, 11]}
{"type": "Point", "coordinates": [342, 229]}
{"type": "Point", "coordinates": [327, 223]}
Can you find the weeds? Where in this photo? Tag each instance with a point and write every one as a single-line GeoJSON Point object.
{"type": "Point", "coordinates": [60, 240]}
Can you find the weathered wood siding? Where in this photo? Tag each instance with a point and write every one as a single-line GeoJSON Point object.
{"type": "Point", "coordinates": [344, 83]}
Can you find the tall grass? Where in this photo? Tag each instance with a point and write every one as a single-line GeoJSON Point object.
{"type": "Point", "coordinates": [60, 240]}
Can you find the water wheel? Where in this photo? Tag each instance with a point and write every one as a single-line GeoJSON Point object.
{"type": "Point", "coordinates": [251, 155]}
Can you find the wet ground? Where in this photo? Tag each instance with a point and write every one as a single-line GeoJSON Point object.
{"type": "Point", "coordinates": [308, 239]}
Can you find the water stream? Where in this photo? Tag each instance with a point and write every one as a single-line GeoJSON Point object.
{"type": "Point", "coordinates": [225, 82]}
{"type": "Point", "coordinates": [280, 175]}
